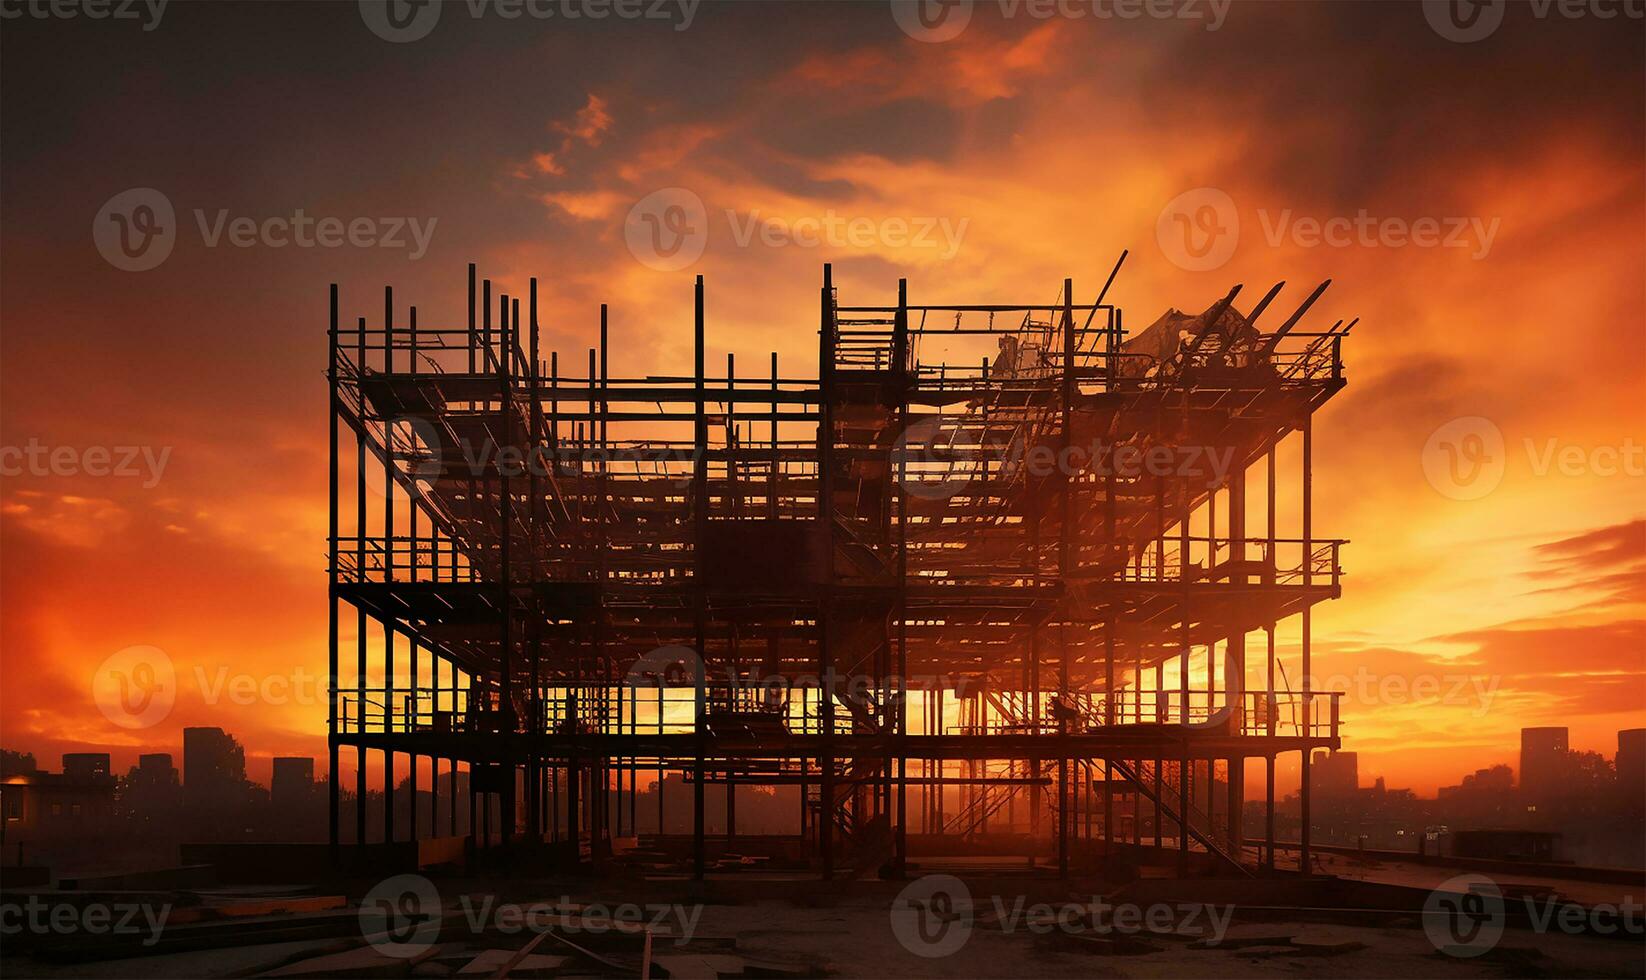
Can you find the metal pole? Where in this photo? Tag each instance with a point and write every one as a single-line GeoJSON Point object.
{"type": "Point", "coordinates": [334, 832]}
{"type": "Point", "coordinates": [700, 524]}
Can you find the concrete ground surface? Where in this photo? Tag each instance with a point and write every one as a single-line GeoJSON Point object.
{"type": "Point", "coordinates": [856, 937]}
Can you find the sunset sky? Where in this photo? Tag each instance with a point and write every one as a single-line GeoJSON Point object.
{"type": "Point", "coordinates": [1044, 145]}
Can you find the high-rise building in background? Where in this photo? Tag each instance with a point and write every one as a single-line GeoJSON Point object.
{"type": "Point", "coordinates": [1542, 760]}
{"type": "Point", "coordinates": [152, 795]}
{"type": "Point", "coordinates": [214, 766]}
{"type": "Point", "coordinates": [154, 766]}
{"type": "Point", "coordinates": [1631, 769]}
{"type": "Point", "coordinates": [85, 766]}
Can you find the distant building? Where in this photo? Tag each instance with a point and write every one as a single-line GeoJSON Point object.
{"type": "Point", "coordinates": [1631, 769]}
{"type": "Point", "coordinates": [154, 767]}
{"type": "Point", "coordinates": [1497, 779]}
{"type": "Point", "coordinates": [293, 782]}
{"type": "Point", "coordinates": [86, 765]}
{"type": "Point", "coordinates": [214, 766]}
{"type": "Point", "coordinates": [1542, 761]}
{"type": "Point", "coordinates": [43, 806]}
{"type": "Point", "coordinates": [153, 771]}
{"type": "Point", "coordinates": [152, 794]}
{"type": "Point", "coordinates": [1336, 775]}
{"type": "Point", "coordinates": [17, 763]}
{"type": "Point", "coordinates": [153, 776]}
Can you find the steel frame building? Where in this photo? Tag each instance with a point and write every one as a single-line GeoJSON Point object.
{"type": "Point", "coordinates": [927, 593]}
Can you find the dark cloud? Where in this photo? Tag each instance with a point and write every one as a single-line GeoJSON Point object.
{"type": "Point", "coordinates": [1599, 550]}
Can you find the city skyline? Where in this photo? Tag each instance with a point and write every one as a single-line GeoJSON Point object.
{"type": "Point", "coordinates": [1618, 752]}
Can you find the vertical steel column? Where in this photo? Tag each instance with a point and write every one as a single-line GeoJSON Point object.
{"type": "Point", "coordinates": [1269, 707]}
{"type": "Point", "coordinates": [411, 574]}
{"type": "Point", "coordinates": [1159, 763]}
{"type": "Point", "coordinates": [700, 526]}
{"type": "Point", "coordinates": [602, 657]}
{"type": "Point", "coordinates": [1065, 567]}
{"type": "Point", "coordinates": [1184, 780]}
{"type": "Point", "coordinates": [1109, 626]}
{"type": "Point", "coordinates": [505, 506]}
{"type": "Point", "coordinates": [451, 799]}
{"type": "Point", "coordinates": [534, 461]}
{"type": "Point", "coordinates": [389, 759]}
{"type": "Point", "coordinates": [825, 534]}
{"type": "Point", "coordinates": [360, 576]}
{"type": "Point", "coordinates": [1234, 672]}
{"type": "Point", "coordinates": [1031, 518]}
{"type": "Point", "coordinates": [560, 546]}
{"type": "Point", "coordinates": [734, 506]}
{"type": "Point", "coordinates": [900, 352]}
{"type": "Point", "coordinates": [1305, 790]}
{"type": "Point", "coordinates": [334, 831]}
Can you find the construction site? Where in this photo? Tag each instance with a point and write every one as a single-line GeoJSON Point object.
{"type": "Point", "coordinates": [992, 582]}
{"type": "Point", "coordinates": [954, 656]}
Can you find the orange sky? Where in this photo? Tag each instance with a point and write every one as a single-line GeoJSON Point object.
{"type": "Point", "coordinates": [1049, 145]}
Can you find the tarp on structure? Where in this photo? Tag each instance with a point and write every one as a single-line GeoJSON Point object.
{"type": "Point", "coordinates": [1231, 345]}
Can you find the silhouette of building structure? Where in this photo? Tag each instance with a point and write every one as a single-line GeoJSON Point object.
{"type": "Point", "coordinates": [1631, 769]}
{"type": "Point", "coordinates": [77, 803]}
{"type": "Point", "coordinates": [1542, 761]}
{"type": "Point", "coordinates": [980, 569]}
{"type": "Point", "coordinates": [214, 768]}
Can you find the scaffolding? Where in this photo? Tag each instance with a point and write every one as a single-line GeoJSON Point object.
{"type": "Point", "coordinates": [1008, 584]}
